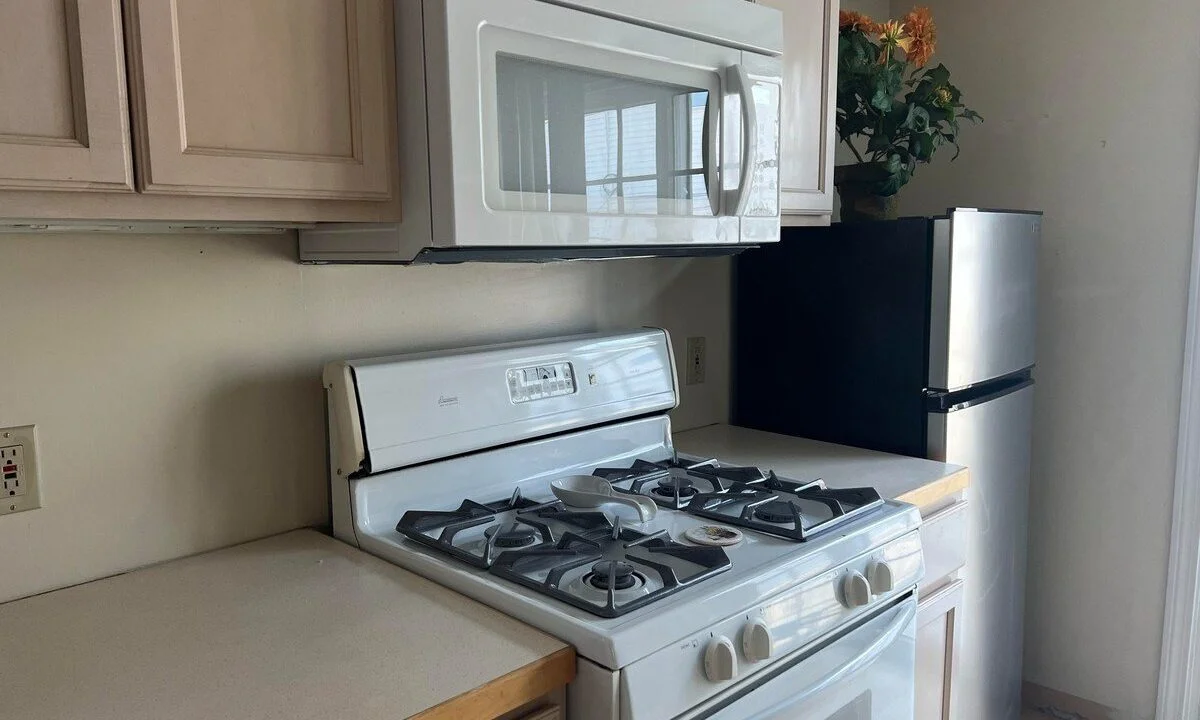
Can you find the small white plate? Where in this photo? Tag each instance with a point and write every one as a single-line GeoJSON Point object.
{"type": "Point", "coordinates": [714, 535]}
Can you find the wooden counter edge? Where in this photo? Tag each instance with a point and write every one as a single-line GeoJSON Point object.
{"type": "Point", "coordinates": [928, 494]}
{"type": "Point", "coordinates": [509, 691]}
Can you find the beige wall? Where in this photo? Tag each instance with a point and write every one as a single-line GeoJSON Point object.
{"type": "Point", "coordinates": [1093, 114]}
{"type": "Point", "coordinates": [175, 383]}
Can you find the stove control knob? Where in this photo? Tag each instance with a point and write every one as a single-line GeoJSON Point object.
{"type": "Point", "coordinates": [856, 591]}
{"type": "Point", "coordinates": [881, 578]}
{"type": "Point", "coordinates": [720, 660]}
{"type": "Point", "coordinates": [757, 644]}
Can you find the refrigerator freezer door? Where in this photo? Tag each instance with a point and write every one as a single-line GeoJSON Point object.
{"type": "Point", "coordinates": [983, 296]}
{"type": "Point", "coordinates": [993, 440]}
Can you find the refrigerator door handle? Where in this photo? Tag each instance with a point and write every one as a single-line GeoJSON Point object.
{"type": "Point", "coordinates": [942, 401]}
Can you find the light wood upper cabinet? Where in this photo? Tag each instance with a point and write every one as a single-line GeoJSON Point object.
{"type": "Point", "coordinates": [810, 31]}
{"type": "Point", "coordinates": [63, 119]}
{"type": "Point", "coordinates": [262, 98]}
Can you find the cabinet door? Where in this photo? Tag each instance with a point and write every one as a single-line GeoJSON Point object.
{"type": "Point", "coordinates": [809, 103]}
{"type": "Point", "coordinates": [64, 120]}
{"type": "Point", "coordinates": [939, 637]}
{"type": "Point", "coordinates": [268, 98]}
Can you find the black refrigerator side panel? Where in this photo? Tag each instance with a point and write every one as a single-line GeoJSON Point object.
{"type": "Point", "coordinates": [831, 335]}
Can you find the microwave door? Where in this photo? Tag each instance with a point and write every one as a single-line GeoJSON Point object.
{"type": "Point", "coordinates": [571, 129]}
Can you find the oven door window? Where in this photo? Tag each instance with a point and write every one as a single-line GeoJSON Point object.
{"type": "Point", "coordinates": [573, 128]}
{"type": "Point", "coordinates": [866, 674]}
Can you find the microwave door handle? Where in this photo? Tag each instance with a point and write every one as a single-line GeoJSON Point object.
{"type": "Point", "coordinates": [740, 82]}
{"type": "Point", "coordinates": [710, 152]}
{"type": "Point", "coordinates": [868, 655]}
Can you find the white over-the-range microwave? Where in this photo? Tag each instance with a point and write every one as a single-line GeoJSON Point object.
{"type": "Point", "coordinates": [562, 129]}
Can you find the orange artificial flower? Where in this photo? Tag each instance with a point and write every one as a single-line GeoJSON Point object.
{"type": "Point", "coordinates": [892, 35]}
{"type": "Point", "coordinates": [919, 25]}
{"type": "Point", "coordinates": [849, 19]}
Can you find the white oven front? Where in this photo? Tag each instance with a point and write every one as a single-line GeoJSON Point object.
{"type": "Point", "coordinates": [867, 672]}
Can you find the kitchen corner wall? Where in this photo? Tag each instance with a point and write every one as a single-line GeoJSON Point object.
{"type": "Point", "coordinates": [175, 380]}
{"type": "Point", "coordinates": [1093, 115]}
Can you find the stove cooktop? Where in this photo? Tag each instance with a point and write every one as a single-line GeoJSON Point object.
{"type": "Point", "coordinates": [590, 561]}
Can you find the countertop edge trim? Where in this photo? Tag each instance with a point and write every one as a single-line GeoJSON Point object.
{"type": "Point", "coordinates": [930, 493]}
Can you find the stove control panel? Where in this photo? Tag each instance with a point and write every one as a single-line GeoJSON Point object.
{"type": "Point", "coordinates": [706, 664]}
{"type": "Point", "coordinates": [540, 382]}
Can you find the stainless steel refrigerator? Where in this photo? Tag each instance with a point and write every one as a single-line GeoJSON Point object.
{"type": "Point", "coordinates": [913, 336]}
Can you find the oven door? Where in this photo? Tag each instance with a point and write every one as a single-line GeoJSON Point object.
{"type": "Point", "coordinates": [867, 673]}
{"type": "Point", "coordinates": [568, 128]}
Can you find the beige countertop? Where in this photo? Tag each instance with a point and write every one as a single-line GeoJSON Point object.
{"type": "Point", "coordinates": [920, 482]}
{"type": "Point", "coordinates": [295, 626]}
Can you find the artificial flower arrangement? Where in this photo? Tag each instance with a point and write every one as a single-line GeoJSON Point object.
{"type": "Point", "coordinates": [899, 110]}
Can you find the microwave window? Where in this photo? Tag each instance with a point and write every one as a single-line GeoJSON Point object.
{"type": "Point", "coordinates": [584, 141]}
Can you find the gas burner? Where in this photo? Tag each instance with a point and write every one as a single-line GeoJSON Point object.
{"type": "Point", "coordinates": [613, 574]}
{"type": "Point", "coordinates": [675, 487]}
{"type": "Point", "coordinates": [673, 482]}
{"type": "Point", "coordinates": [776, 511]}
{"type": "Point", "coordinates": [457, 533]}
{"type": "Point", "coordinates": [511, 535]}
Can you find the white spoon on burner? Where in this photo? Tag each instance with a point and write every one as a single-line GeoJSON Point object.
{"type": "Point", "coordinates": [590, 491]}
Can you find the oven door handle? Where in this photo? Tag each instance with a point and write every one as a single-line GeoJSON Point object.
{"type": "Point", "coordinates": [864, 658]}
{"type": "Point", "coordinates": [739, 81]}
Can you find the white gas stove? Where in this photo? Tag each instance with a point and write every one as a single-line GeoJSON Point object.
{"type": "Point", "coordinates": [745, 595]}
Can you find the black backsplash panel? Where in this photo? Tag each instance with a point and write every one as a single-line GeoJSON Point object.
{"type": "Point", "coordinates": [831, 334]}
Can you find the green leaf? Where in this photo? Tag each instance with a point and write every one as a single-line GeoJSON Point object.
{"type": "Point", "coordinates": [887, 85]}
{"type": "Point", "coordinates": [938, 76]}
{"type": "Point", "coordinates": [971, 115]}
{"type": "Point", "coordinates": [917, 119]}
{"type": "Point", "coordinates": [922, 146]}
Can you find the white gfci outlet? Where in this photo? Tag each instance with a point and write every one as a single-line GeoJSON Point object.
{"type": "Point", "coordinates": [18, 470]}
{"type": "Point", "coordinates": [696, 361]}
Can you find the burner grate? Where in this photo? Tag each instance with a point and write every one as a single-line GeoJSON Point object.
{"type": "Point", "coordinates": [441, 529]}
{"type": "Point", "coordinates": [778, 507]}
{"type": "Point", "coordinates": [566, 548]}
{"type": "Point", "coordinates": [662, 565]}
{"type": "Point", "coordinates": [673, 483]}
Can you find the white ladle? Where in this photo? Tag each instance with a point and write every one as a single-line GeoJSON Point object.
{"type": "Point", "coordinates": [591, 491]}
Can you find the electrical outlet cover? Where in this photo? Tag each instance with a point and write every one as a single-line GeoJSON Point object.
{"type": "Point", "coordinates": [19, 486]}
{"type": "Point", "coordinates": [696, 360]}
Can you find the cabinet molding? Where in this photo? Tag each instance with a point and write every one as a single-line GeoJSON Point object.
{"type": "Point", "coordinates": [65, 124]}
{"type": "Point", "coordinates": [263, 98]}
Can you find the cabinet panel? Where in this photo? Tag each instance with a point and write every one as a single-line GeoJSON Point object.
{"type": "Point", "coordinates": [939, 638]}
{"type": "Point", "coordinates": [809, 103]}
{"type": "Point", "coordinates": [944, 541]}
{"type": "Point", "coordinates": [269, 98]}
{"type": "Point", "coordinates": [64, 120]}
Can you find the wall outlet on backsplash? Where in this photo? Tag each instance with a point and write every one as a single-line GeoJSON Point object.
{"type": "Point", "coordinates": [18, 470]}
{"type": "Point", "coordinates": [696, 361]}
